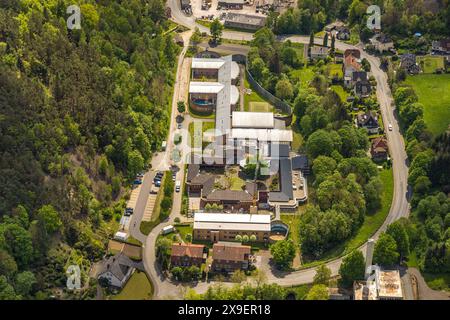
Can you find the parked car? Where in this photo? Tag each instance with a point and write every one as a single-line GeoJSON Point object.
{"type": "Point", "coordinates": [158, 183]}
{"type": "Point", "coordinates": [128, 211]}
{"type": "Point", "coordinates": [174, 176]}
{"type": "Point", "coordinates": [137, 181]}
{"type": "Point", "coordinates": [390, 127]}
{"type": "Point", "coordinates": [178, 186]}
{"type": "Point", "coordinates": [179, 126]}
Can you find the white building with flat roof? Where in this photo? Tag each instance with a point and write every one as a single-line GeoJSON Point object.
{"type": "Point", "coordinates": [226, 226]}
{"type": "Point", "coordinates": [255, 120]}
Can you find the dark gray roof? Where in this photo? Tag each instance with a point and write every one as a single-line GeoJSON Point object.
{"type": "Point", "coordinates": [368, 119]}
{"type": "Point", "coordinates": [229, 195]}
{"type": "Point", "coordinates": [277, 150]}
{"type": "Point", "coordinates": [359, 76]}
{"type": "Point", "coordinates": [193, 171]}
{"type": "Point", "coordinates": [363, 87]}
{"type": "Point", "coordinates": [286, 193]}
{"type": "Point", "coordinates": [118, 265]}
{"type": "Point", "coordinates": [300, 162]}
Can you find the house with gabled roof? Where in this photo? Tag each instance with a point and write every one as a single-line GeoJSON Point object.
{"type": "Point", "coordinates": [187, 254]}
{"type": "Point", "coordinates": [229, 257]}
{"type": "Point", "coordinates": [379, 149]}
{"type": "Point", "coordinates": [116, 270]}
{"type": "Point", "coordinates": [409, 63]}
{"type": "Point", "coordinates": [368, 120]}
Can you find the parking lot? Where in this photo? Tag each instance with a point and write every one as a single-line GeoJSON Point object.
{"type": "Point", "coordinates": [213, 12]}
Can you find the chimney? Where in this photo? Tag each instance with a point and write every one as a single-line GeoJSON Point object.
{"type": "Point", "coordinates": [369, 256]}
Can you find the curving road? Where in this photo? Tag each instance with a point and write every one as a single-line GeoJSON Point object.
{"type": "Point", "coordinates": [399, 207]}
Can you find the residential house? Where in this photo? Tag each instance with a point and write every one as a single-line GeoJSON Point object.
{"type": "Point", "coordinates": [379, 149]}
{"type": "Point", "coordinates": [116, 270]}
{"type": "Point", "coordinates": [226, 226]}
{"type": "Point", "coordinates": [343, 33]}
{"type": "Point", "coordinates": [230, 257]}
{"type": "Point", "coordinates": [382, 42]}
{"type": "Point", "coordinates": [186, 255]}
{"type": "Point", "coordinates": [441, 46]}
{"type": "Point", "coordinates": [352, 63]}
{"type": "Point", "coordinates": [363, 88]}
{"type": "Point", "coordinates": [409, 64]}
{"type": "Point", "coordinates": [230, 200]}
{"type": "Point", "coordinates": [333, 26]}
{"type": "Point", "coordinates": [244, 21]}
{"type": "Point", "coordinates": [368, 120]}
{"type": "Point", "coordinates": [319, 52]}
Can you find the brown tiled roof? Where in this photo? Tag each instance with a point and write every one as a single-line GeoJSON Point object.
{"type": "Point", "coordinates": [351, 60]}
{"type": "Point", "coordinates": [354, 52]}
{"type": "Point", "coordinates": [231, 195]}
{"type": "Point", "coordinates": [379, 143]}
{"type": "Point", "coordinates": [231, 253]}
{"type": "Point", "coordinates": [190, 250]}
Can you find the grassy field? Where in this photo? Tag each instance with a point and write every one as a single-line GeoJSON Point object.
{"type": "Point", "coordinates": [429, 64]}
{"type": "Point", "coordinates": [255, 106]}
{"type": "Point", "coordinates": [293, 221]}
{"type": "Point", "coordinates": [137, 288]}
{"type": "Point", "coordinates": [303, 75]}
{"type": "Point", "coordinates": [341, 92]}
{"type": "Point", "coordinates": [253, 97]}
{"type": "Point", "coordinates": [335, 69]}
{"type": "Point", "coordinates": [433, 91]}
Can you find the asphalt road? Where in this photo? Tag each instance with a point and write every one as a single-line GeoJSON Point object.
{"type": "Point", "coordinates": [164, 288]}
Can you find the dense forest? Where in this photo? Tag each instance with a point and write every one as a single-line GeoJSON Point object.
{"type": "Point", "coordinates": [81, 112]}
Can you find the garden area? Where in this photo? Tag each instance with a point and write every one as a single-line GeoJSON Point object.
{"type": "Point", "coordinates": [253, 102]}
{"type": "Point", "coordinates": [138, 287]}
{"type": "Point", "coordinates": [433, 91]}
{"type": "Point", "coordinates": [429, 64]}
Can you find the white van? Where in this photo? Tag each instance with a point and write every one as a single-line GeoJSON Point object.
{"type": "Point", "coordinates": [167, 229]}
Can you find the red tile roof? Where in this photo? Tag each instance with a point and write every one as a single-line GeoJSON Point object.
{"type": "Point", "coordinates": [231, 252]}
{"type": "Point", "coordinates": [190, 250]}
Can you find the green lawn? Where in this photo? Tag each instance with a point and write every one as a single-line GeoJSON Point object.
{"type": "Point", "coordinates": [183, 230]}
{"type": "Point", "coordinates": [300, 49]}
{"type": "Point", "coordinates": [137, 288]}
{"type": "Point", "coordinates": [252, 97]}
{"type": "Point", "coordinates": [303, 75]}
{"type": "Point", "coordinates": [255, 106]}
{"type": "Point", "coordinates": [429, 64]}
{"type": "Point", "coordinates": [433, 91]}
{"type": "Point", "coordinates": [341, 92]}
{"type": "Point", "coordinates": [293, 222]}
{"type": "Point", "coordinates": [438, 281]}
{"type": "Point", "coordinates": [336, 70]}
